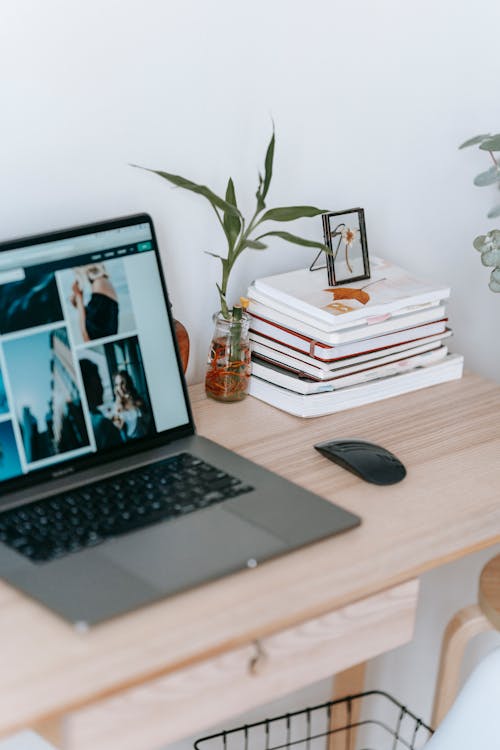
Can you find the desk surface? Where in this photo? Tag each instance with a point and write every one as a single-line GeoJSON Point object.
{"type": "Point", "coordinates": [449, 438]}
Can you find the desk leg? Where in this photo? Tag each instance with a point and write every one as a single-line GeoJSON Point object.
{"type": "Point", "coordinates": [52, 731]}
{"type": "Point", "coordinates": [349, 682]}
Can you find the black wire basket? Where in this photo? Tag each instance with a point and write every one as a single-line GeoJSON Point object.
{"type": "Point", "coordinates": [368, 721]}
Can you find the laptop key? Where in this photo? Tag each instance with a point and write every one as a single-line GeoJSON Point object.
{"type": "Point", "coordinates": [56, 526]}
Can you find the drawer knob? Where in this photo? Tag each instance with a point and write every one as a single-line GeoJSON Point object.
{"type": "Point", "coordinates": [258, 660]}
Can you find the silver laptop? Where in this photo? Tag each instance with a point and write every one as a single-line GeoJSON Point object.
{"type": "Point", "coordinates": [109, 500]}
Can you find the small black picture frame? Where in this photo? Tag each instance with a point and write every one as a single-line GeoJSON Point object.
{"type": "Point", "coordinates": [345, 235]}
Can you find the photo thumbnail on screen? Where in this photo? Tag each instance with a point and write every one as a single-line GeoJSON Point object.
{"type": "Point", "coordinates": [9, 457]}
{"type": "Point", "coordinates": [29, 302]}
{"type": "Point", "coordinates": [4, 406]}
{"type": "Point", "coordinates": [97, 300]}
{"type": "Point", "coordinates": [45, 393]}
{"type": "Point", "coordinates": [117, 392]}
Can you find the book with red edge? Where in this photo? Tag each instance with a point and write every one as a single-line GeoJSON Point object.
{"type": "Point", "coordinates": [303, 363]}
{"type": "Point", "coordinates": [306, 367]}
{"type": "Point", "coordinates": [370, 371]}
{"type": "Point", "coordinates": [325, 353]}
{"type": "Point", "coordinates": [376, 327]}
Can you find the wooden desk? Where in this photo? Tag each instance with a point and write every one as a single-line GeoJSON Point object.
{"type": "Point", "coordinates": [174, 668]}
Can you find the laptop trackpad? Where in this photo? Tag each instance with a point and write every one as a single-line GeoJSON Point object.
{"type": "Point", "coordinates": [191, 550]}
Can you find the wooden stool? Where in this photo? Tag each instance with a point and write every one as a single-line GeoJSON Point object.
{"type": "Point", "coordinates": [467, 623]}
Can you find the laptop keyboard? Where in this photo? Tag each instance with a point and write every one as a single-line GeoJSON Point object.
{"type": "Point", "coordinates": [58, 525]}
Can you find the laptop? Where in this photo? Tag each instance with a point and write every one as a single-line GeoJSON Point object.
{"type": "Point", "coordinates": [109, 500]}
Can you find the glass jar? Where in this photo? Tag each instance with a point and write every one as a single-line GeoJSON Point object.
{"type": "Point", "coordinates": [228, 365]}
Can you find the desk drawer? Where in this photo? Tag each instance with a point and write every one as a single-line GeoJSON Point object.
{"type": "Point", "coordinates": [192, 699]}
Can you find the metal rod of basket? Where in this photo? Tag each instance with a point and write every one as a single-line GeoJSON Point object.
{"type": "Point", "coordinates": [374, 714]}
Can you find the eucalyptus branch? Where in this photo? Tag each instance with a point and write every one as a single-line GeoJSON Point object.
{"type": "Point", "coordinates": [489, 244]}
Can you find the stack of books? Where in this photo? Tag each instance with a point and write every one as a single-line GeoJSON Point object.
{"type": "Point", "coordinates": [318, 349]}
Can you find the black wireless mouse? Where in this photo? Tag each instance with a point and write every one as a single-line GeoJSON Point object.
{"type": "Point", "coordinates": [368, 461]}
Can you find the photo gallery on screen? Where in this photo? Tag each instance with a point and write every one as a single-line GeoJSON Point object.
{"type": "Point", "coordinates": [72, 378]}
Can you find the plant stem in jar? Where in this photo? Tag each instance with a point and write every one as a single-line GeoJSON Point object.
{"type": "Point", "coordinates": [235, 334]}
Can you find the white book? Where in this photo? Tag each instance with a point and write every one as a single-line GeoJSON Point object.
{"type": "Point", "coordinates": [303, 363]}
{"type": "Point", "coordinates": [327, 382]}
{"type": "Point", "coordinates": [318, 404]}
{"type": "Point", "coordinates": [256, 296]}
{"type": "Point", "coordinates": [326, 353]}
{"type": "Point", "coordinates": [377, 327]}
{"type": "Point", "coordinates": [389, 290]}
{"type": "Point", "coordinates": [299, 384]}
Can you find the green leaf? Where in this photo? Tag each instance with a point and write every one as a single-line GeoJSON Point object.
{"type": "Point", "coordinates": [473, 141]}
{"type": "Point", "coordinates": [291, 213]}
{"type": "Point", "coordinates": [258, 194]}
{"type": "Point", "coordinates": [232, 223]}
{"type": "Point", "coordinates": [214, 255]}
{"type": "Point", "coordinates": [494, 212]}
{"type": "Point", "coordinates": [491, 257]}
{"type": "Point", "coordinates": [491, 143]}
{"type": "Point", "coordinates": [495, 280]}
{"type": "Point", "coordinates": [488, 177]}
{"type": "Point", "coordinates": [223, 304]}
{"type": "Point", "coordinates": [479, 242]}
{"type": "Point", "coordinates": [268, 173]}
{"type": "Point", "coordinates": [254, 245]}
{"type": "Point", "coordinates": [194, 188]}
{"type": "Point", "coordinates": [297, 240]}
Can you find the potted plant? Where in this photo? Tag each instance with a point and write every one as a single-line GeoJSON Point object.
{"type": "Point", "coordinates": [229, 359]}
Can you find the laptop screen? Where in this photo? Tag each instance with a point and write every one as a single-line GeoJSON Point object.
{"type": "Point", "coordinates": [87, 358]}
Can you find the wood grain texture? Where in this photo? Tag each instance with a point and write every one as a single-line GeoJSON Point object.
{"type": "Point", "coordinates": [194, 698]}
{"type": "Point", "coordinates": [349, 682]}
{"type": "Point", "coordinates": [51, 730]}
{"type": "Point", "coordinates": [489, 591]}
{"type": "Point", "coordinates": [463, 626]}
{"type": "Point", "coordinates": [449, 438]}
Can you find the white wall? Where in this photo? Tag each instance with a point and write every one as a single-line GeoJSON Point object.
{"type": "Point", "coordinates": [370, 100]}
